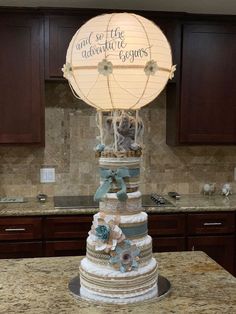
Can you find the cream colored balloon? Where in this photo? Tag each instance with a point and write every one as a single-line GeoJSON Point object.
{"type": "Point", "coordinates": [118, 61]}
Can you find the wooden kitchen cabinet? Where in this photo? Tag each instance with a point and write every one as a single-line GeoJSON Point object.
{"type": "Point", "coordinates": [21, 237]}
{"type": "Point", "coordinates": [214, 234]}
{"type": "Point", "coordinates": [207, 111]}
{"type": "Point", "coordinates": [66, 235]}
{"type": "Point", "coordinates": [168, 244]}
{"type": "Point", "coordinates": [21, 81]}
{"type": "Point", "coordinates": [67, 227]}
{"type": "Point", "coordinates": [167, 232]}
{"type": "Point", "coordinates": [219, 248]}
{"type": "Point", "coordinates": [166, 224]}
{"type": "Point", "coordinates": [65, 248]}
{"type": "Point", "coordinates": [59, 30]}
{"type": "Point", "coordinates": [21, 249]}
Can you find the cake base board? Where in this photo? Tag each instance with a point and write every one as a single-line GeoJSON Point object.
{"type": "Point", "coordinates": [164, 288]}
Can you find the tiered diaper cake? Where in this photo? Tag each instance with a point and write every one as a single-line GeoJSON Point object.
{"type": "Point", "coordinates": [119, 267]}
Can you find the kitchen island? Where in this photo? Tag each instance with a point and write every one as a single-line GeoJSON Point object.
{"type": "Point", "coordinates": [40, 286]}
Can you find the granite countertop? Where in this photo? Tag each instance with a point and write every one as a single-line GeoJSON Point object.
{"type": "Point", "coordinates": [40, 286]}
{"type": "Point", "coordinates": [187, 203]}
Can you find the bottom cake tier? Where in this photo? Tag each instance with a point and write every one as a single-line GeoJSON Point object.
{"type": "Point", "coordinates": [104, 284]}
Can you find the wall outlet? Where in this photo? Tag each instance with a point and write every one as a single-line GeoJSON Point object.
{"type": "Point", "coordinates": [47, 175]}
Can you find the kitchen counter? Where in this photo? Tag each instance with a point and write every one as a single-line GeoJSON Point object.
{"type": "Point", "coordinates": [40, 285]}
{"type": "Point", "coordinates": [187, 203]}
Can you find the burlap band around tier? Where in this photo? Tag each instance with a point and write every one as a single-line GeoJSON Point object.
{"type": "Point", "coordinates": [130, 162]}
{"type": "Point", "coordinates": [102, 258]}
{"type": "Point", "coordinates": [126, 154]}
{"type": "Point", "coordinates": [111, 286]}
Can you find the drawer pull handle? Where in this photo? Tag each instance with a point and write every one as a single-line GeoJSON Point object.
{"type": "Point", "coordinates": [15, 229]}
{"type": "Point", "coordinates": [212, 224]}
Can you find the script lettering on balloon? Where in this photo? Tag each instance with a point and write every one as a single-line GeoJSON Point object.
{"type": "Point", "coordinates": [112, 42]}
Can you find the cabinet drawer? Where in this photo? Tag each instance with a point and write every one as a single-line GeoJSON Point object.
{"type": "Point", "coordinates": [166, 224]}
{"type": "Point", "coordinates": [65, 248]}
{"type": "Point", "coordinates": [67, 227]}
{"type": "Point", "coordinates": [20, 229]}
{"type": "Point", "coordinates": [168, 244]}
{"type": "Point", "coordinates": [20, 249]}
{"type": "Point", "coordinates": [211, 223]}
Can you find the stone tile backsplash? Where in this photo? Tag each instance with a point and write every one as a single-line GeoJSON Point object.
{"type": "Point", "coordinates": [71, 136]}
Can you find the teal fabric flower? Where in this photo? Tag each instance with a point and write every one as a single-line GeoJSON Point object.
{"type": "Point", "coordinates": [105, 67]}
{"type": "Point", "coordinates": [150, 68]}
{"type": "Point", "coordinates": [103, 232]}
{"type": "Point", "coordinates": [125, 256]}
{"type": "Point", "coordinates": [100, 148]}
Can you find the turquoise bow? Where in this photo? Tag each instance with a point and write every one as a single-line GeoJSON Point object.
{"type": "Point", "coordinates": [109, 176]}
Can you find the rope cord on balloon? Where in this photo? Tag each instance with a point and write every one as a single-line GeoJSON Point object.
{"type": "Point", "coordinates": [93, 85]}
{"type": "Point", "coordinates": [100, 126]}
{"type": "Point", "coordinates": [136, 126]}
{"type": "Point", "coordinates": [144, 90]}
{"type": "Point", "coordinates": [84, 98]}
{"type": "Point", "coordinates": [115, 128]}
{"type": "Point", "coordinates": [73, 92]}
{"type": "Point", "coordinates": [120, 66]}
{"type": "Point", "coordinates": [150, 57]}
{"type": "Point", "coordinates": [123, 87]}
{"type": "Point", "coordinates": [105, 54]}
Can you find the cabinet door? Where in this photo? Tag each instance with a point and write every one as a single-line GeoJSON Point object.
{"type": "Point", "coordinates": [67, 227]}
{"type": "Point", "coordinates": [21, 80]}
{"type": "Point", "coordinates": [20, 249]}
{"type": "Point", "coordinates": [219, 248]}
{"type": "Point", "coordinates": [208, 89]}
{"type": "Point", "coordinates": [167, 224]}
{"type": "Point", "coordinates": [65, 248]}
{"type": "Point", "coordinates": [168, 244]}
{"type": "Point", "coordinates": [59, 31]}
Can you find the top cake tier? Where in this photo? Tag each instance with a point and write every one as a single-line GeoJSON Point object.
{"type": "Point", "coordinates": [120, 171]}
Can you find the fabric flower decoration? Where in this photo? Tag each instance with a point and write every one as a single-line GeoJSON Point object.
{"type": "Point", "coordinates": [105, 234]}
{"type": "Point", "coordinates": [150, 67]}
{"type": "Point", "coordinates": [66, 70]}
{"type": "Point", "coordinates": [173, 69]}
{"type": "Point", "coordinates": [125, 257]}
{"type": "Point", "coordinates": [105, 67]}
{"type": "Point", "coordinates": [135, 147]}
{"type": "Point", "coordinates": [100, 148]}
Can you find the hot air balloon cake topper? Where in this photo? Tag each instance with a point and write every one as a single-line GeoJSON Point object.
{"type": "Point", "coordinates": [118, 63]}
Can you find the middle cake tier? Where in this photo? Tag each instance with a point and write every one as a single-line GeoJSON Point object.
{"type": "Point", "coordinates": [133, 227]}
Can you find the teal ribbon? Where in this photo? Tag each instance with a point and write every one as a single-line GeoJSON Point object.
{"type": "Point", "coordinates": [135, 231]}
{"type": "Point", "coordinates": [109, 176]}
